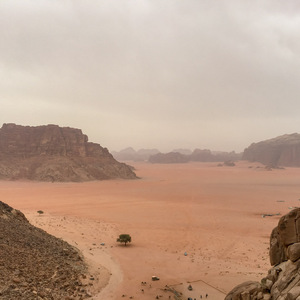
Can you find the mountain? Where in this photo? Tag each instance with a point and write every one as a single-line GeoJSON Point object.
{"type": "Point", "coordinates": [168, 158]}
{"type": "Point", "coordinates": [183, 151]}
{"type": "Point", "coordinates": [129, 154]}
{"type": "Point", "coordinates": [197, 155]}
{"type": "Point", "coordinates": [53, 153]}
{"type": "Point", "coordinates": [283, 150]}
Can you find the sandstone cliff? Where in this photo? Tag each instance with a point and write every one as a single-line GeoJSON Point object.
{"type": "Point", "coordinates": [280, 151]}
{"type": "Point", "coordinates": [283, 280]}
{"type": "Point", "coordinates": [36, 265]}
{"type": "Point", "coordinates": [53, 153]}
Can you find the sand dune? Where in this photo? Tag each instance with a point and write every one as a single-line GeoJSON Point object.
{"type": "Point", "coordinates": [214, 214]}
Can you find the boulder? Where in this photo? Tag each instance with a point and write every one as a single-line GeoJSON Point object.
{"type": "Point", "coordinates": [289, 228]}
{"type": "Point", "coordinates": [246, 290]}
{"type": "Point", "coordinates": [283, 279]}
{"type": "Point", "coordinates": [293, 252]}
{"type": "Point", "coordinates": [277, 251]}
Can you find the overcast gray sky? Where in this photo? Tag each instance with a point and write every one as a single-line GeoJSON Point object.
{"type": "Point", "coordinates": [153, 73]}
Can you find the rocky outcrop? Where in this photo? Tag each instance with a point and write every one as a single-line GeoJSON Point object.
{"type": "Point", "coordinates": [36, 265]}
{"type": "Point", "coordinates": [283, 280]}
{"type": "Point", "coordinates": [129, 154]}
{"type": "Point", "coordinates": [280, 151]}
{"type": "Point", "coordinates": [197, 155]}
{"type": "Point", "coordinates": [53, 153]}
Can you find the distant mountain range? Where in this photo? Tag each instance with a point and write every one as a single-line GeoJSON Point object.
{"type": "Point", "coordinates": [129, 154]}
{"type": "Point", "coordinates": [282, 151]}
{"type": "Point", "coordinates": [197, 155]}
{"type": "Point", "coordinates": [175, 156]}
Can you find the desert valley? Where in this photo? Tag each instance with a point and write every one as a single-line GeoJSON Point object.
{"type": "Point", "coordinates": [199, 228]}
{"type": "Point", "coordinates": [212, 214]}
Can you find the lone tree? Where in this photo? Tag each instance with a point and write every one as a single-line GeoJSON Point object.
{"type": "Point", "coordinates": [124, 238]}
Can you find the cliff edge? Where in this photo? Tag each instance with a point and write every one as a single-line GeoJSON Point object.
{"type": "Point", "coordinates": [53, 153]}
{"type": "Point", "coordinates": [283, 151]}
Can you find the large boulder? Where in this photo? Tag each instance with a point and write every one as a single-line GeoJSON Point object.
{"type": "Point", "coordinates": [283, 279]}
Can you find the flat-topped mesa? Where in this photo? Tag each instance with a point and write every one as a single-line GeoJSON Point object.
{"type": "Point", "coordinates": [27, 141]}
{"type": "Point", "coordinates": [280, 151]}
{"type": "Point", "coordinates": [53, 153]}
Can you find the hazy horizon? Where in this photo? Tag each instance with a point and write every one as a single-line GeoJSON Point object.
{"type": "Point", "coordinates": [151, 73]}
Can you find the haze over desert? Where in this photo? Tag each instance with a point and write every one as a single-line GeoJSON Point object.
{"type": "Point", "coordinates": [193, 223]}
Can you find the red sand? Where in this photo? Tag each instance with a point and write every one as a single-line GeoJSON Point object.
{"type": "Point", "coordinates": [214, 214]}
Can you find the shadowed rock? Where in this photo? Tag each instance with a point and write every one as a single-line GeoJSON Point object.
{"type": "Point", "coordinates": [283, 280]}
{"type": "Point", "coordinates": [53, 153]}
{"type": "Point", "coordinates": [280, 151]}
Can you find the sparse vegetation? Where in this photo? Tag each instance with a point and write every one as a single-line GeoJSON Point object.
{"type": "Point", "coordinates": [124, 238]}
{"type": "Point", "coordinates": [40, 212]}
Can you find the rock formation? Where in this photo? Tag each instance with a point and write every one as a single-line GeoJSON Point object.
{"type": "Point", "coordinates": [53, 153]}
{"type": "Point", "coordinates": [283, 279]}
{"type": "Point", "coordinates": [36, 265]}
{"type": "Point", "coordinates": [280, 151]}
{"type": "Point", "coordinates": [129, 154]}
{"type": "Point", "coordinates": [197, 155]}
{"type": "Point", "coordinates": [168, 158]}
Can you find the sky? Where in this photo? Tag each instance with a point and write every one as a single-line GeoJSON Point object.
{"type": "Point", "coordinates": [162, 74]}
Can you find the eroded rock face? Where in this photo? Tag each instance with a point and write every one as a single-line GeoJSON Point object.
{"type": "Point", "coordinates": [280, 151]}
{"type": "Point", "coordinates": [283, 280]}
{"type": "Point", "coordinates": [36, 265]}
{"type": "Point", "coordinates": [53, 153]}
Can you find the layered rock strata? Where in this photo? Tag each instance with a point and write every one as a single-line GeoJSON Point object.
{"type": "Point", "coordinates": [280, 151]}
{"type": "Point", "coordinates": [53, 153]}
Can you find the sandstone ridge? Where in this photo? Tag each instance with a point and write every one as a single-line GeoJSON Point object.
{"type": "Point", "coordinates": [53, 153]}
{"type": "Point", "coordinates": [198, 155]}
{"type": "Point", "coordinates": [280, 151]}
{"type": "Point", "coordinates": [283, 280]}
{"type": "Point", "coordinates": [36, 265]}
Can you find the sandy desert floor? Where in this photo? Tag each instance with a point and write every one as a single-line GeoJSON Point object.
{"type": "Point", "coordinates": [213, 214]}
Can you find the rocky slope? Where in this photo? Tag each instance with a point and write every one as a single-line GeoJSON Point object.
{"type": "Point", "coordinates": [36, 265]}
{"type": "Point", "coordinates": [283, 280]}
{"type": "Point", "coordinates": [53, 153]}
{"type": "Point", "coordinates": [280, 151]}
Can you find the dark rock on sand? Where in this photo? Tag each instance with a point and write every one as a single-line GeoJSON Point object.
{"type": "Point", "coordinates": [280, 151]}
{"type": "Point", "coordinates": [53, 153]}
